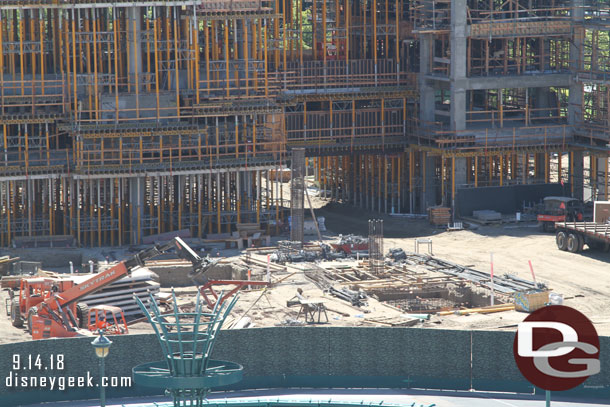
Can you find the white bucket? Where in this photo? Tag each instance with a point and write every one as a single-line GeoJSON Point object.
{"type": "Point", "coordinates": [555, 299]}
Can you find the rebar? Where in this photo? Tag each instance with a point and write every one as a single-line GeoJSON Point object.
{"type": "Point", "coordinates": [297, 195]}
{"type": "Point", "coordinates": [376, 261]}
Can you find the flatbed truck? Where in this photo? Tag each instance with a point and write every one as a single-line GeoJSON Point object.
{"type": "Point", "coordinates": [572, 236]}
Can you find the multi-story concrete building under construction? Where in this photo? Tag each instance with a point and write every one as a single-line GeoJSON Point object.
{"type": "Point", "coordinates": [124, 119]}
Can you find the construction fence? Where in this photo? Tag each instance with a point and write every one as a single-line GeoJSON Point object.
{"type": "Point", "coordinates": [312, 357]}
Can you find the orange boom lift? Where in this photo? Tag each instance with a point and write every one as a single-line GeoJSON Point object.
{"type": "Point", "coordinates": [54, 316]}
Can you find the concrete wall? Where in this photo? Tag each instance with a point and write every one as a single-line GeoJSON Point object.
{"type": "Point", "coordinates": [309, 357]}
{"type": "Point", "coordinates": [176, 275]}
{"type": "Point", "coordinates": [55, 257]}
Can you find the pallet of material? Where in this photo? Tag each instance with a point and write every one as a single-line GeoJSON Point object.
{"type": "Point", "coordinates": [248, 229]}
{"type": "Point", "coordinates": [439, 215]}
{"type": "Point", "coordinates": [487, 215]}
{"type": "Point", "coordinates": [530, 301]}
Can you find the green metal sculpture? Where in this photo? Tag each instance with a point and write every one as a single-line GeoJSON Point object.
{"type": "Point", "coordinates": [187, 340]}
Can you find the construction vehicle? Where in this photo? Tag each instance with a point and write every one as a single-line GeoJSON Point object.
{"type": "Point", "coordinates": [54, 312]}
{"type": "Point", "coordinates": [351, 244]}
{"type": "Point", "coordinates": [572, 236]}
{"type": "Point", "coordinates": [33, 291]}
{"type": "Point", "coordinates": [560, 209]}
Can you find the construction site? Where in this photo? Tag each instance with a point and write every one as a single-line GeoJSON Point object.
{"type": "Point", "coordinates": [372, 163]}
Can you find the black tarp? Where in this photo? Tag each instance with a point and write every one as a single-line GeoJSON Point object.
{"type": "Point", "coordinates": [507, 199]}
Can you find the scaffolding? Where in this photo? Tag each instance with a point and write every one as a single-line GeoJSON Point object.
{"type": "Point", "coordinates": [127, 119]}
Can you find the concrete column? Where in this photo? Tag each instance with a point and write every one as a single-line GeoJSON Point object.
{"type": "Point", "coordinates": [240, 37]}
{"type": "Point", "coordinates": [542, 100]}
{"type": "Point", "coordinates": [429, 197]}
{"type": "Point", "coordinates": [136, 202]}
{"type": "Point", "coordinates": [601, 178]}
{"type": "Point", "coordinates": [461, 168]}
{"type": "Point", "coordinates": [458, 108]}
{"type": "Point", "coordinates": [458, 38]}
{"type": "Point", "coordinates": [426, 92]}
{"type": "Point", "coordinates": [577, 177]}
{"type": "Point", "coordinates": [135, 58]}
{"type": "Point", "coordinates": [576, 46]}
{"type": "Point", "coordinates": [540, 163]}
{"type": "Point", "coordinates": [522, 159]}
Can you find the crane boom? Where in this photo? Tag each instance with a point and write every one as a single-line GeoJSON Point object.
{"type": "Point", "coordinates": [91, 285]}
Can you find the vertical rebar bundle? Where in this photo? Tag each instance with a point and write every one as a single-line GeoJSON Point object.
{"type": "Point", "coordinates": [297, 194]}
{"type": "Point", "coordinates": [376, 246]}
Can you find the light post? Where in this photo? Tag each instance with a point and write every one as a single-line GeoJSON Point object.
{"type": "Point", "coordinates": [102, 348]}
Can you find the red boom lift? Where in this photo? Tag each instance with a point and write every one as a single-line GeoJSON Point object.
{"type": "Point", "coordinates": [54, 316]}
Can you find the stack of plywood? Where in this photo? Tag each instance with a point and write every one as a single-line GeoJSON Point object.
{"type": "Point", "coordinates": [120, 293]}
{"type": "Point", "coordinates": [439, 215]}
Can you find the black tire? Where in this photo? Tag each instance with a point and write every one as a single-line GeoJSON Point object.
{"type": "Point", "coordinates": [82, 315]}
{"type": "Point", "coordinates": [16, 318]}
{"type": "Point", "coordinates": [581, 243]}
{"type": "Point", "coordinates": [573, 243]}
{"type": "Point", "coordinates": [562, 240]}
{"type": "Point", "coordinates": [32, 311]}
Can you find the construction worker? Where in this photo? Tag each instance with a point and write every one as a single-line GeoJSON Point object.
{"type": "Point", "coordinates": [102, 323]}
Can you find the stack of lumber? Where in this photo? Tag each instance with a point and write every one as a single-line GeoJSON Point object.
{"type": "Point", "coordinates": [439, 215]}
{"type": "Point", "coordinates": [488, 28]}
{"type": "Point", "coordinates": [393, 321]}
{"type": "Point", "coordinates": [120, 293]}
{"type": "Point", "coordinates": [480, 310]}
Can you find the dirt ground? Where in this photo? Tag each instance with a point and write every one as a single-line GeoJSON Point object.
{"type": "Point", "coordinates": [581, 278]}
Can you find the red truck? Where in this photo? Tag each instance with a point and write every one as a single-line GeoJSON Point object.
{"type": "Point", "coordinates": [560, 209]}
